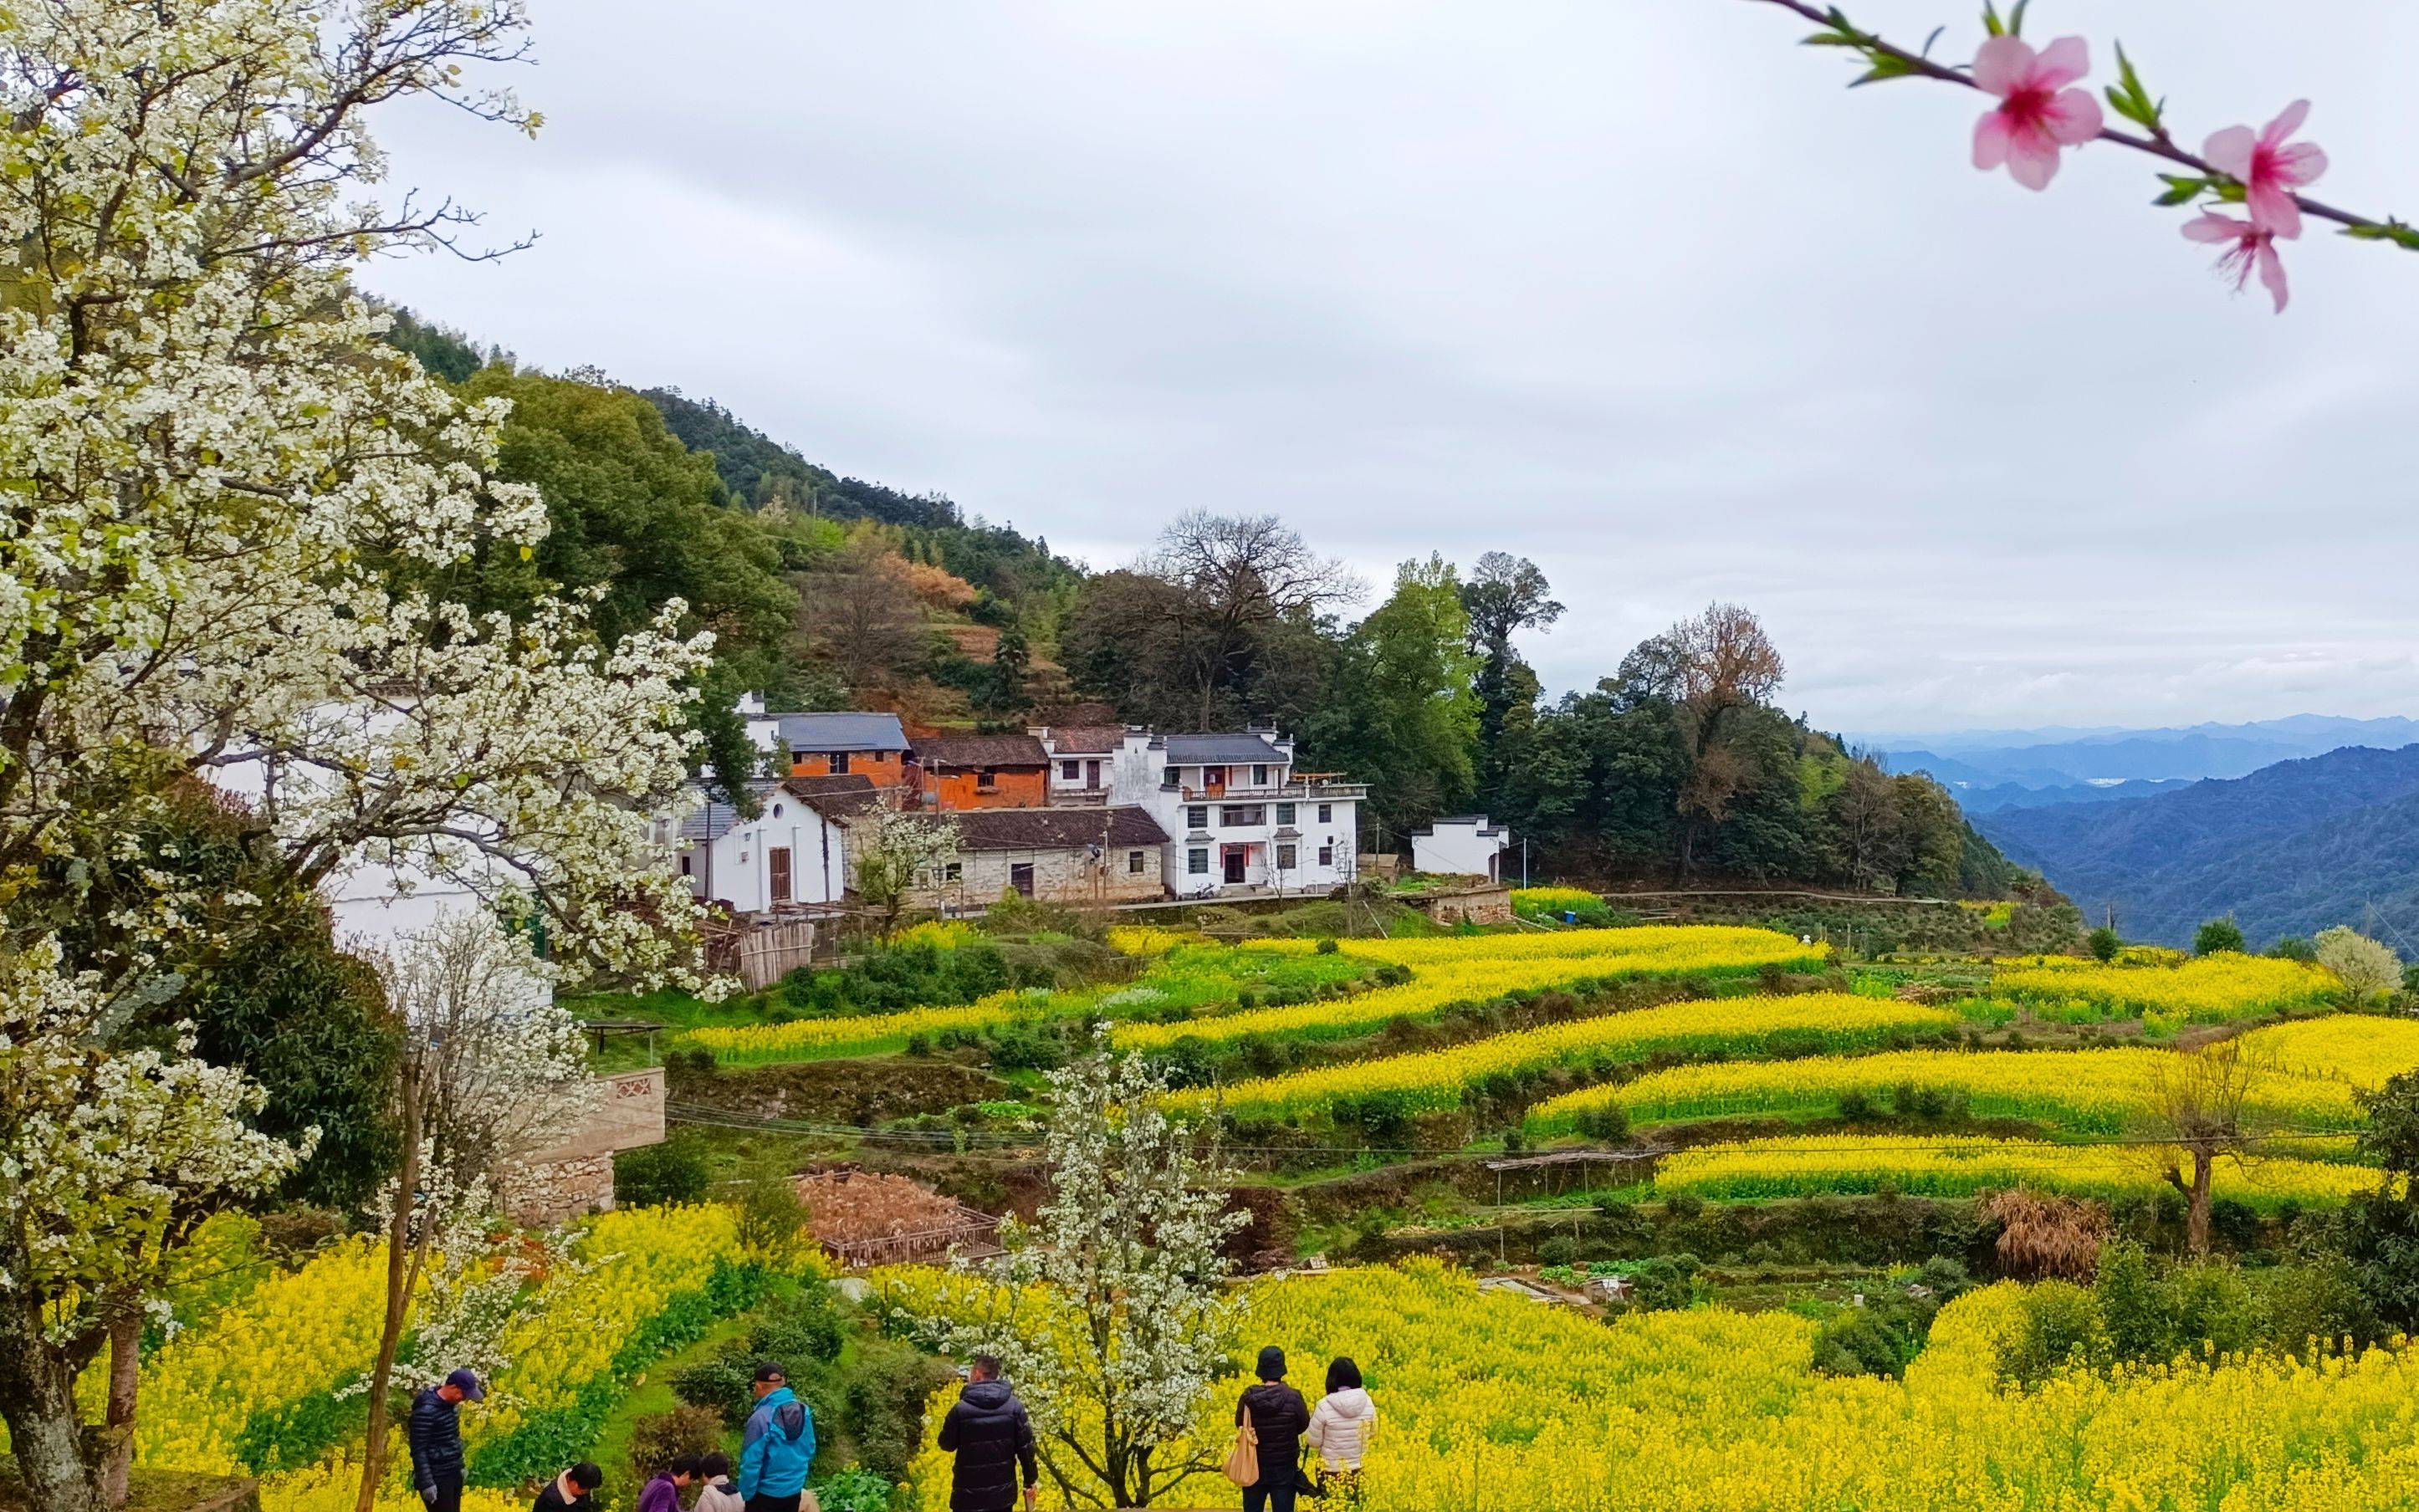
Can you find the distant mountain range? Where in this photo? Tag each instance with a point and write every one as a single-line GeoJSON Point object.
{"type": "Point", "coordinates": [2289, 849]}
{"type": "Point", "coordinates": [2059, 758]}
{"type": "Point", "coordinates": [1991, 799]}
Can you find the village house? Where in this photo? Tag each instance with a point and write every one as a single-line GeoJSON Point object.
{"type": "Point", "coordinates": [854, 743]}
{"type": "Point", "coordinates": [793, 853]}
{"type": "Point", "coordinates": [1239, 818]}
{"type": "Point", "coordinates": [1079, 856]}
{"type": "Point", "coordinates": [960, 772]}
{"type": "Point", "coordinates": [1462, 845]}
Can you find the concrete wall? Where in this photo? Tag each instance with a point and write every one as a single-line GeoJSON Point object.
{"type": "Point", "coordinates": [738, 867]}
{"type": "Point", "coordinates": [1454, 849]}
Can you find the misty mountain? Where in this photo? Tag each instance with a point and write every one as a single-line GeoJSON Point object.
{"type": "Point", "coordinates": [2204, 750]}
{"type": "Point", "coordinates": [1991, 799]}
{"type": "Point", "coordinates": [2289, 849]}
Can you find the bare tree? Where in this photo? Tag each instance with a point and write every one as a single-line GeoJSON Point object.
{"type": "Point", "coordinates": [858, 612]}
{"type": "Point", "coordinates": [1708, 669]}
{"type": "Point", "coordinates": [2203, 1099]}
{"type": "Point", "coordinates": [1243, 571]}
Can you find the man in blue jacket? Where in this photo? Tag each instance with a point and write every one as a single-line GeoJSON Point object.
{"type": "Point", "coordinates": [778, 1447]}
{"type": "Point", "coordinates": [435, 1434]}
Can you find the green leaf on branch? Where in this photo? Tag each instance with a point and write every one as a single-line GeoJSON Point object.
{"type": "Point", "coordinates": [2129, 100]}
{"type": "Point", "coordinates": [1884, 67]}
{"type": "Point", "coordinates": [2400, 233]}
{"type": "Point", "coordinates": [2182, 189]}
{"type": "Point", "coordinates": [2229, 191]}
{"type": "Point", "coordinates": [2016, 19]}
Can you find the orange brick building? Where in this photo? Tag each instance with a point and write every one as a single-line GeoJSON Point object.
{"type": "Point", "coordinates": [957, 773]}
{"type": "Point", "coordinates": [854, 743]}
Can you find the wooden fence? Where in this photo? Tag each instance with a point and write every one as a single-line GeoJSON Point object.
{"type": "Point", "coordinates": [762, 954]}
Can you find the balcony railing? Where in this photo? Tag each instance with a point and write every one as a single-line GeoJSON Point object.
{"type": "Point", "coordinates": [1266, 793]}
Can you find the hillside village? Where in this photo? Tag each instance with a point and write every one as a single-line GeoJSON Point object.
{"type": "Point", "coordinates": [557, 953]}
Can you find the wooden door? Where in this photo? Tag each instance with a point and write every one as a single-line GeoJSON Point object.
{"type": "Point", "coordinates": [778, 859]}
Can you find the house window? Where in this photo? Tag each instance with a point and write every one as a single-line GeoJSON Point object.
{"type": "Point", "coordinates": [1134, 863]}
{"type": "Point", "coordinates": [685, 863]}
{"type": "Point", "coordinates": [1285, 813]}
{"type": "Point", "coordinates": [987, 780]}
{"type": "Point", "coordinates": [1197, 816]}
{"type": "Point", "coordinates": [1234, 815]}
{"type": "Point", "coordinates": [1020, 876]}
{"type": "Point", "coordinates": [1327, 856]}
{"type": "Point", "coordinates": [1197, 860]}
{"type": "Point", "coordinates": [1287, 858]}
{"type": "Point", "coordinates": [954, 872]}
{"type": "Point", "coordinates": [838, 761]}
{"type": "Point", "coordinates": [778, 860]}
{"type": "Point", "coordinates": [1070, 771]}
{"type": "Point", "coordinates": [776, 810]}
{"type": "Point", "coordinates": [1259, 777]}
{"type": "Point", "coordinates": [1327, 814]}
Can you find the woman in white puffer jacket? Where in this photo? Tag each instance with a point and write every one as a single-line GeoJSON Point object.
{"type": "Point", "coordinates": [1341, 1431]}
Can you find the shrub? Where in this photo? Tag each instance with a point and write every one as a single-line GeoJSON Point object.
{"type": "Point", "coordinates": [2062, 1326]}
{"type": "Point", "coordinates": [660, 1438]}
{"type": "Point", "coordinates": [721, 1384]}
{"type": "Point", "coordinates": [653, 1176]}
{"type": "Point", "coordinates": [2136, 1309]}
{"type": "Point", "coordinates": [798, 1328]}
{"type": "Point", "coordinates": [854, 1491]}
{"type": "Point", "coordinates": [2294, 948]}
{"type": "Point", "coordinates": [1028, 1047]}
{"type": "Point", "coordinates": [772, 1220]}
{"type": "Point", "coordinates": [2215, 935]}
{"type": "Point", "coordinates": [884, 1401]}
{"type": "Point", "coordinates": [2103, 943]}
{"type": "Point", "coordinates": [1665, 1283]}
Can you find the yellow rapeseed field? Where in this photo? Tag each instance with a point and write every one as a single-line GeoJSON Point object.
{"type": "Point", "coordinates": [2211, 989]}
{"type": "Point", "coordinates": [1434, 1078]}
{"type": "Point", "coordinates": [2363, 1049]}
{"type": "Point", "coordinates": [1951, 1166]}
{"type": "Point", "coordinates": [2105, 1091]}
{"type": "Point", "coordinates": [1491, 1403]}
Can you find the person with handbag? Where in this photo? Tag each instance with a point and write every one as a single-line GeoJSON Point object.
{"type": "Point", "coordinates": [1341, 1431]}
{"type": "Point", "coordinates": [1270, 1420]}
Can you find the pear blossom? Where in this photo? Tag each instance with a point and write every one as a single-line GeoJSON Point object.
{"type": "Point", "coordinates": [2250, 246]}
{"type": "Point", "coordinates": [2270, 167]}
{"type": "Point", "coordinates": [2037, 115]}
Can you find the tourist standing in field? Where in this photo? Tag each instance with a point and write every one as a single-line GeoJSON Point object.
{"type": "Point", "coordinates": [435, 1434]}
{"type": "Point", "coordinates": [779, 1446]}
{"type": "Point", "coordinates": [662, 1491]}
{"type": "Point", "coordinates": [992, 1436]}
{"type": "Point", "coordinates": [574, 1490]}
{"type": "Point", "coordinates": [1278, 1416]}
{"type": "Point", "coordinates": [1340, 1430]}
{"type": "Point", "coordinates": [716, 1495]}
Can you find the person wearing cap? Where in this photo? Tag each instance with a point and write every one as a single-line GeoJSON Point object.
{"type": "Point", "coordinates": [574, 1490]}
{"type": "Point", "coordinates": [778, 1446]}
{"type": "Point", "coordinates": [435, 1434]}
{"type": "Point", "coordinates": [1278, 1415]}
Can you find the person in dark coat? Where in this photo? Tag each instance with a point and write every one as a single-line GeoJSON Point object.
{"type": "Point", "coordinates": [1278, 1415]}
{"type": "Point", "coordinates": [988, 1431]}
{"type": "Point", "coordinates": [435, 1434]}
{"type": "Point", "coordinates": [574, 1490]}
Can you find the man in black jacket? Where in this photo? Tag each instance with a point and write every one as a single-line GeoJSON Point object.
{"type": "Point", "coordinates": [988, 1431]}
{"type": "Point", "coordinates": [435, 1434]}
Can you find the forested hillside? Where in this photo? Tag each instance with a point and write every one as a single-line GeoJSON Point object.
{"type": "Point", "coordinates": [824, 590]}
{"type": "Point", "coordinates": [2290, 849]}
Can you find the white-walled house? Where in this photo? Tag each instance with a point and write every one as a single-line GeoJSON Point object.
{"type": "Point", "coordinates": [793, 853]}
{"type": "Point", "coordinates": [1462, 845]}
{"type": "Point", "coordinates": [1239, 817]}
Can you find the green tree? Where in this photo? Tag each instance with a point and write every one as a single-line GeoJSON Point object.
{"type": "Point", "coordinates": [2377, 1233]}
{"type": "Point", "coordinates": [1505, 595]}
{"type": "Point", "coordinates": [1405, 714]}
{"type": "Point", "coordinates": [2104, 943]}
{"type": "Point", "coordinates": [2215, 935]}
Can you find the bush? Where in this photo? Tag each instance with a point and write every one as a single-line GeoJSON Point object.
{"type": "Point", "coordinates": [1028, 1047]}
{"type": "Point", "coordinates": [883, 1404]}
{"type": "Point", "coordinates": [2294, 948]}
{"type": "Point", "coordinates": [1665, 1283]}
{"type": "Point", "coordinates": [854, 1491]}
{"type": "Point", "coordinates": [660, 1438]}
{"type": "Point", "coordinates": [2062, 1326]}
{"type": "Point", "coordinates": [798, 1328]}
{"type": "Point", "coordinates": [2215, 935]}
{"type": "Point", "coordinates": [654, 1174]}
{"type": "Point", "coordinates": [2133, 1306]}
{"type": "Point", "coordinates": [772, 1219]}
{"type": "Point", "coordinates": [721, 1384]}
{"type": "Point", "coordinates": [1855, 1106]}
{"type": "Point", "coordinates": [2103, 943]}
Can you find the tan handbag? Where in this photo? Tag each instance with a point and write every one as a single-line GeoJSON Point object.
{"type": "Point", "coordinates": [1243, 1460]}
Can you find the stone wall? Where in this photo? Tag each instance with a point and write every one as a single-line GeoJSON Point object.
{"type": "Point", "coordinates": [1479, 905]}
{"type": "Point", "coordinates": [1060, 877]}
{"type": "Point", "coordinates": [544, 1187]}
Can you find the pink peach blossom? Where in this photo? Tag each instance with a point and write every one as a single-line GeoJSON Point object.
{"type": "Point", "coordinates": [2270, 167]}
{"type": "Point", "coordinates": [2037, 113]}
{"type": "Point", "coordinates": [2252, 247]}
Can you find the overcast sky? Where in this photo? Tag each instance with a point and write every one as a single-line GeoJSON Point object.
{"type": "Point", "coordinates": [1635, 290]}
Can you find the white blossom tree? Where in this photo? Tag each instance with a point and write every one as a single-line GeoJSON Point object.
{"type": "Point", "coordinates": [224, 499]}
{"type": "Point", "coordinates": [492, 1068]}
{"type": "Point", "coordinates": [892, 849]}
{"type": "Point", "coordinates": [2366, 966]}
{"type": "Point", "coordinates": [1112, 1320]}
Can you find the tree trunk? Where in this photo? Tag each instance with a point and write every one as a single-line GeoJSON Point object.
{"type": "Point", "coordinates": [398, 1298]}
{"type": "Point", "coordinates": [2197, 1220]}
{"type": "Point", "coordinates": [38, 1402]}
{"type": "Point", "coordinates": [125, 1377]}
